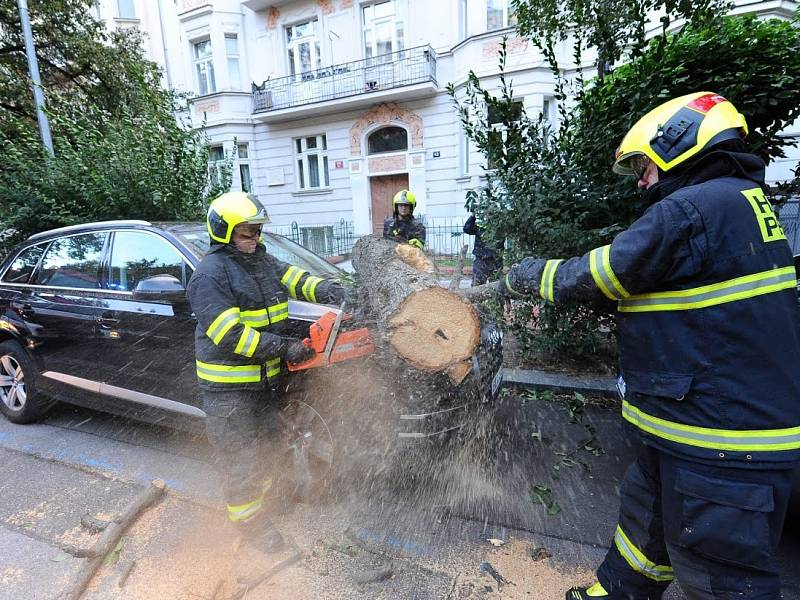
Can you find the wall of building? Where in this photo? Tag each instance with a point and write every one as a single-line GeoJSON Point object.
{"type": "Point", "coordinates": [441, 165]}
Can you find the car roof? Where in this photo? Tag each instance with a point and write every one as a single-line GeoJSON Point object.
{"type": "Point", "coordinates": [88, 227]}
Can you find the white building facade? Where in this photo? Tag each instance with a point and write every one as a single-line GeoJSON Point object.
{"type": "Point", "coordinates": [328, 107]}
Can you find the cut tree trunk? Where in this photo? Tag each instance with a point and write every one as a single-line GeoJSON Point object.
{"type": "Point", "coordinates": [427, 326]}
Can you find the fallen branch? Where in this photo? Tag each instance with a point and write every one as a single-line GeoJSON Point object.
{"type": "Point", "coordinates": [111, 536]}
{"type": "Point", "coordinates": [455, 280]}
{"type": "Point", "coordinates": [249, 583]}
{"type": "Point", "coordinates": [479, 293]}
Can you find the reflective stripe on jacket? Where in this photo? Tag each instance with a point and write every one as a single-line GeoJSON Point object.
{"type": "Point", "coordinates": [241, 304]}
{"type": "Point", "coordinates": [708, 321]}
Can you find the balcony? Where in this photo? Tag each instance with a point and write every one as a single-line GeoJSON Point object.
{"type": "Point", "coordinates": [403, 75]}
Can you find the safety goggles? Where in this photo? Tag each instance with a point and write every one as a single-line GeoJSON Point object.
{"type": "Point", "coordinates": [247, 232]}
{"type": "Point", "coordinates": [638, 165]}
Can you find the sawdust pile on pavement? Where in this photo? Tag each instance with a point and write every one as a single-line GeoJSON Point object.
{"type": "Point", "coordinates": [30, 516]}
{"type": "Point", "coordinates": [78, 536]}
{"type": "Point", "coordinates": [530, 574]}
{"type": "Point", "coordinates": [11, 575]}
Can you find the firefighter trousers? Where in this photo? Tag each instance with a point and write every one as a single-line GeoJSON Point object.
{"type": "Point", "coordinates": [485, 268]}
{"type": "Point", "coordinates": [714, 529]}
{"type": "Point", "coordinates": [244, 430]}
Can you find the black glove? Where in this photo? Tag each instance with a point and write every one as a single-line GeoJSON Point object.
{"type": "Point", "coordinates": [502, 289]}
{"type": "Point", "coordinates": [339, 294]}
{"type": "Point", "coordinates": [523, 279]}
{"type": "Point", "coordinates": [295, 351]}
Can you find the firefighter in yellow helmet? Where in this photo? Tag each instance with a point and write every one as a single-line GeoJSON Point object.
{"type": "Point", "coordinates": [404, 227]}
{"type": "Point", "coordinates": [239, 294]}
{"type": "Point", "coordinates": [707, 314]}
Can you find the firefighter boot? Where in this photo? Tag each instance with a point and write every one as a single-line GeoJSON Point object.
{"type": "Point", "coordinates": [595, 591]}
{"type": "Point", "coordinates": [259, 532]}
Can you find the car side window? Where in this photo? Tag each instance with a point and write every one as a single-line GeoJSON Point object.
{"type": "Point", "coordinates": [137, 255]}
{"type": "Point", "coordinates": [22, 268]}
{"type": "Point", "coordinates": [73, 261]}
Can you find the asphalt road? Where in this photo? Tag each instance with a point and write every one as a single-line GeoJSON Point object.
{"type": "Point", "coordinates": [79, 462]}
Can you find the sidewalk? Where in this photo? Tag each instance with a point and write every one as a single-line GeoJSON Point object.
{"type": "Point", "coordinates": [432, 541]}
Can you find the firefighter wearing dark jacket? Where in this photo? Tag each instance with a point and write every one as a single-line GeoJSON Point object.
{"type": "Point", "coordinates": [488, 259]}
{"type": "Point", "coordinates": [239, 294]}
{"type": "Point", "coordinates": [404, 227]}
{"type": "Point", "coordinates": [709, 327]}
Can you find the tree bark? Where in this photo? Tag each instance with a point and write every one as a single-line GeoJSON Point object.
{"type": "Point", "coordinates": [427, 326]}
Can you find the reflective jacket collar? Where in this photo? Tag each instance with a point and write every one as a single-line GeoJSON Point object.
{"type": "Point", "coordinates": [231, 249]}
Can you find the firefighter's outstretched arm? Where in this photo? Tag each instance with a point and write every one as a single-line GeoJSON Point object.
{"type": "Point", "coordinates": [302, 285]}
{"type": "Point", "coordinates": [230, 328]}
{"type": "Point", "coordinates": [647, 254]}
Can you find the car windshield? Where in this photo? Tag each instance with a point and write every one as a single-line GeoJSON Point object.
{"type": "Point", "coordinates": [195, 236]}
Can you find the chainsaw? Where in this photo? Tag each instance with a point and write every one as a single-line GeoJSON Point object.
{"type": "Point", "coordinates": [325, 337]}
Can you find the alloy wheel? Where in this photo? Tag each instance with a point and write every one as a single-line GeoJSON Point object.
{"type": "Point", "coordinates": [12, 383]}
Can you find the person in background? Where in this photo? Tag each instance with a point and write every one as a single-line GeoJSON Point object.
{"type": "Point", "coordinates": [404, 227]}
{"type": "Point", "coordinates": [488, 259]}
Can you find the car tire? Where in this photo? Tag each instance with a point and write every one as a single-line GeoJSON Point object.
{"type": "Point", "coordinates": [19, 400]}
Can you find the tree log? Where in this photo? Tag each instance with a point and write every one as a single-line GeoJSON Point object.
{"type": "Point", "coordinates": [427, 326]}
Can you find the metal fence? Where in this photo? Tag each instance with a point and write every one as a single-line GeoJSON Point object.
{"type": "Point", "coordinates": [335, 239]}
{"type": "Point", "coordinates": [384, 72]}
{"type": "Point", "coordinates": [444, 238]}
{"type": "Point", "coordinates": [789, 216]}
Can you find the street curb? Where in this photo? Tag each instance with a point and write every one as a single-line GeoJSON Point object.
{"type": "Point", "coordinates": [560, 382]}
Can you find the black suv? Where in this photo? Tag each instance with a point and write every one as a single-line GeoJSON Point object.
{"type": "Point", "coordinates": [96, 315]}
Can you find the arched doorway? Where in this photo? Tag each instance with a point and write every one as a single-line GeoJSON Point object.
{"type": "Point", "coordinates": [390, 142]}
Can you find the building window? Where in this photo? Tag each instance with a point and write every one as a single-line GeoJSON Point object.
{"type": "Point", "coordinates": [464, 153]}
{"type": "Point", "coordinates": [499, 14]}
{"type": "Point", "coordinates": [383, 29]}
{"type": "Point", "coordinates": [232, 54]}
{"type": "Point", "coordinates": [497, 135]}
{"type": "Point", "coordinates": [216, 158]}
{"type": "Point", "coordinates": [302, 44]}
{"type": "Point", "coordinates": [388, 139]}
{"type": "Point", "coordinates": [204, 67]}
{"type": "Point", "coordinates": [125, 9]}
{"type": "Point", "coordinates": [312, 162]}
{"type": "Point", "coordinates": [244, 167]}
{"type": "Point", "coordinates": [550, 111]}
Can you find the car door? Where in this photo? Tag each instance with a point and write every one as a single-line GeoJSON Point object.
{"type": "Point", "coordinates": [64, 305]}
{"type": "Point", "coordinates": [150, 341]}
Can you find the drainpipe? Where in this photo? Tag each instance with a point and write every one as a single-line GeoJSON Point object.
{"type": "Point", "coordinates": [164, 46]}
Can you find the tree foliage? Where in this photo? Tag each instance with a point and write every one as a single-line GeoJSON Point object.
{"type": "Point", "coordinates": [120, 151]}
{"type": "Point", "coordinates": [609, 28]}
{"type": "Point", "coordinates": [552, 193]}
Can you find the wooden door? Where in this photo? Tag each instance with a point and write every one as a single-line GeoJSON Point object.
{"type": "Point", "coordinates": [382, 190]}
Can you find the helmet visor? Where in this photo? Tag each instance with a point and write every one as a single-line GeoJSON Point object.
{"type": "Point", "coordinates": [633, 164]}
{"type": "Point", "coordinates": [259, 218]}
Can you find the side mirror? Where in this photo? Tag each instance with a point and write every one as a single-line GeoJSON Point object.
{"type": "Point", "coordinates": [163, 288]}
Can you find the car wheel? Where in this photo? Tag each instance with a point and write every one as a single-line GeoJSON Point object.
{"type": "Point", "coordinates": [19, 401]}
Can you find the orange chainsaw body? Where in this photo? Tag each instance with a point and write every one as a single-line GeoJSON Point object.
{"type": "Point", "coordinates": [346, 345]}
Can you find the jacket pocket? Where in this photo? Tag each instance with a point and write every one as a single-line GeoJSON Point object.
{"type": "Point", "coordinates": [659, 383]}
{"type": "Point", "coordinates": [726, 520]}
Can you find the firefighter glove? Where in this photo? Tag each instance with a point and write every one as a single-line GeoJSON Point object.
{"type": "Point", "coordinates": [523, 279]}
{"type": "Point", "coordinates": [295, 351]}
{"type": "Point", "coordinates": [340, 294]}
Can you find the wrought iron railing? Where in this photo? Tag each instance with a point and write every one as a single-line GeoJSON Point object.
{"type": "Point", "coordinates": [384, 72]}
{"type": "Point", "coordinates": [789, 216]}
{"type": "Point", "coordinates": [444, 237]}
{"type": "Point", "coordinates": [336, 239]}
